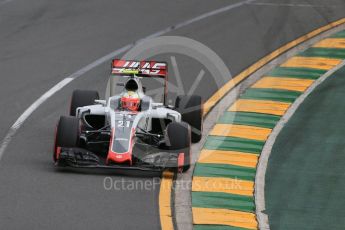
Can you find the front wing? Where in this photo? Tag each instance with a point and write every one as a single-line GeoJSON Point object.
{"type": "Point", "coordinates": [81, 158]}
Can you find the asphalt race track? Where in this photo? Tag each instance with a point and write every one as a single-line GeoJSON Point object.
{"type": "Point", "coordinates": [42, 42]}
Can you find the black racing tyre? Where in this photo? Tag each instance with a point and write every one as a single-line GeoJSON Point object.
{"type": "Point", "coordinates": [179, 138]}
{"type": "Point", "coordinates": [82, 98]}
{"type": "Point", "coordinates": [191, 109]}
{"type": "Point", "coordinates": [67, 134]}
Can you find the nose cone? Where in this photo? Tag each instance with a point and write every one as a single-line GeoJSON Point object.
{"type": "Point", "coordinates": [119, 158]}
{"type": "Point", "coordinates": [120, 148]}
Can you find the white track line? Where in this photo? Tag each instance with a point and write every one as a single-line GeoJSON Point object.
{"type": "Point", "coordinates": [291, 5]}
{"type": "Point", "coordinates": [14, 128]}
{"type": "Point", "coordinates": [260, 202]}
{"type": "Point", "coordinates": [29, 111]}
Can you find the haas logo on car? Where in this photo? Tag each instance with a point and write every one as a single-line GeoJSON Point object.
{"type": "Point", "coordinates": [139, 67]}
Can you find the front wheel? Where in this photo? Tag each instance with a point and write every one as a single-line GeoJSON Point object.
{"type": "Point", "coordinates": [179, 141]}
{"type": "Point", "coordinates": [66, 135]}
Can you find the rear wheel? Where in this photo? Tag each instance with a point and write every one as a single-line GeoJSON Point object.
{"type": "Point", "coordinates": [67, 134]}
{"type": "Point", "coordinates": [82, 98]}
{"type": "Point", "coordinates": [191, 109]}
{"type": "Point", "coordinates": [179, 138]}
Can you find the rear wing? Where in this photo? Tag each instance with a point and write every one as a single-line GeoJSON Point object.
{"type": "Point", "coordinates": [140, 68]}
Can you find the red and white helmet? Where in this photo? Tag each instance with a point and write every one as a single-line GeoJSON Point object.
{"type": "Point", "coordinates": [130, 101]}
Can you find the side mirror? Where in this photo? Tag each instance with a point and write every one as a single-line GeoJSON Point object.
{"type": "Point", "coordinates": [101, 102]}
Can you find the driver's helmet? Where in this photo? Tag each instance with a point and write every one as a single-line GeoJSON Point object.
{"type": "Point", "coordinates": [130, 101]}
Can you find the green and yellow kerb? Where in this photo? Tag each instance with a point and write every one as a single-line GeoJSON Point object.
{"type": "Point", "coordinates": [223, 181]}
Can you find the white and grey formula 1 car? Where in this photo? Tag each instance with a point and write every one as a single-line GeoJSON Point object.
{"type": "Point", "coordinates": [129, 130]}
